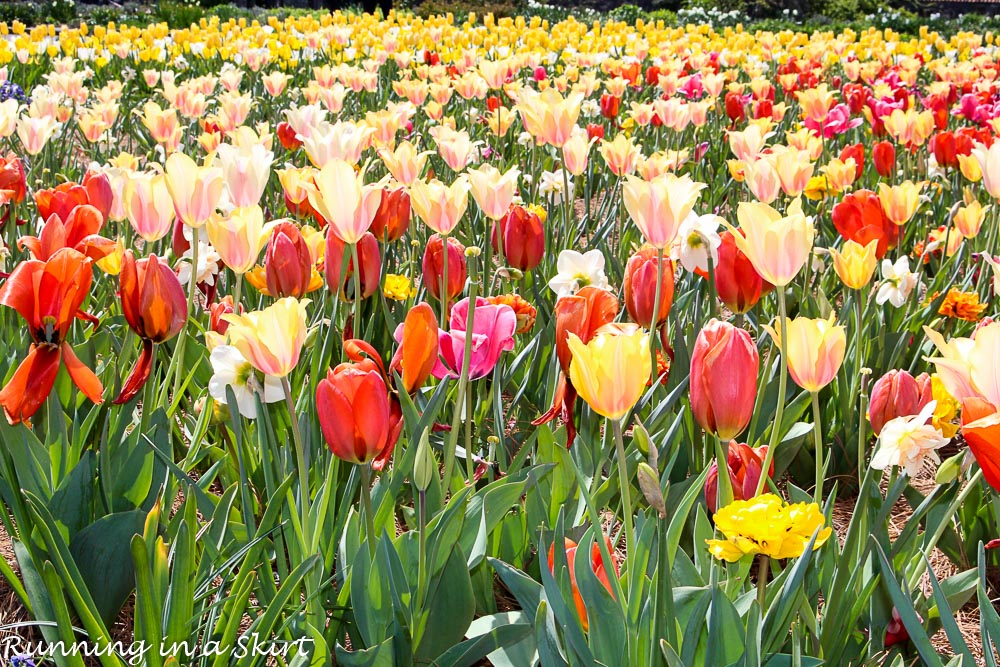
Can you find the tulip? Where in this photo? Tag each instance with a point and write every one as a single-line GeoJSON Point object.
{"type": "Point", "coordinates": [855, 152]}
{"type": "Point", "coordinates": [724, 367]}
{"type": "Point", "coordinates": [575, 151]}
{"type": "Point", "coordinates": [897, 394]}
{"type": "Point", "coordinates": [196, 191]}
{"type": "Point", "coordinates": [884, 157]}
{"type": "Point", "coordinates": [440, 206]}
{"type": "Point", "coordinates": [148, 206]}
{"type": "Point", "coordinates": [640, 288]}
{"type": "Point", "coordinates": [246, 170]}
{"type": "Point", "coordinates": [582, 315]}
{"type": "Point", "coordinates": [777, 246]}
{"type": "Point", "coordinates": [899, 202]}
{"type": "Point", "coordinates": [271, 339]}
{"type": "Point", "coordinates": [417, 353]}
{"type": "Point", "coordinates": [737, 283]}
{"type": "Point", "coordinates": [13, 185]}
{"type": "Point", "coordinates": [433, 266]}
{"type": "Point", "coordinates": [404, 163]}
{"type": "Point", "coordinates": [610, 371]}
{"type": "Point", "coordinates": [521, 234]}
{"type": "Point", "coordinates": [342, 140]}
{"type": "Point", "coordinates": [969, 219]}
{"type": "Point", "coordinates": [981, 430]}
{"type": "Point", "coordinates": [288, 136]}
{"type": "Point", "coordinates": [658, 207]}
{"type": "Point", "coordinates": [621, 155]}
{"type": "Point", "coordinates": [597, 566]}
{"type": "Point", "coordinates": [155, 308]}
{"type": "Point", "coordinates": [239, 237]}
{"type": "Point", "coordinates": [967, 366]}
{"type": "Point", "coordinates": [815, 349]}
{"type": "Point", "coordinates": [762, 179]}
{"type": "Point", "coordinates": [492, 190]}
{"type": "Point", "coordinates": [989, 164]}
{"type": "Point", "coordinates": [368, 257]}
{"type": "Point", "coordinates": [343, 199]}
{"type": "Point", "coordinates": [392, 218]}
{"type": "Point", "coordinates": [80, 231]}
{"type": "Point", "coordinates": [48, 295]}
{"type": "Point", "coordinates": [859, 217]}
{"type": "Point", "coordinates": [549, 117]}
{"type": "Point", "coordinates": [288, 262]}
{"type": "Point", "coordinates": [35, 133]}
{"type": "Point", "coordinates": [455, 147]}
{"type": "Point", "coordinates": [492, 330]}
{"type": "Point", "coordinates": [354, 413]}
{"type": "Point", "coordinates": [745, 465]}
{"type": "Point", "coordinates": [610, 106]}
{"type": "Point", "coordinates": [855, 264]}
{"type": "Point", "coordinates": [61, 200]}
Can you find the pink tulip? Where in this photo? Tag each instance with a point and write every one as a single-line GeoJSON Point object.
{"type": "Point", "coordinates": [724, 366]}
{"type": "Point", "coordinates": [493, 329]}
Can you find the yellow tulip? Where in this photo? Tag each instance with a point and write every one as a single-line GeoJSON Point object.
{"type": "Point", "coordinates": [271, 339]}
{"type": "Point", "coordinates": [620, 155]}
{"type": "Point", "coordinates": [854, 263]}
{"type": "Point", "coordinates": [549, 117]}
{"type": "Point", "coordinates": [492, 190]}
{"type": "Point", "coordinates": [239, 237]}
{"type": "Point", "coordinates": [969, 219]}
{"type": "Point", "coordinates": [344, 200]}
{"type": "Point", "coordinates": [440, 206]}
{"type": "Point", "coordinates": [658, 207]}
{"type": "Point", "coordinates": [404, 163]}
{"type": "Point", "coordinates": [610, 372]}
{"type": "Point", "coordinates": [899, 201]}
{"type": "Point", "coordinates": [196, 190]}
{"type": "Point", "coordinates": [815, 350]}
{"type": "Point", "coordinates": [777, 246]}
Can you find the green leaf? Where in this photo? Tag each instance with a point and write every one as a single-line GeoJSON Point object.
{"type": "Point", "coordinates": [450, 606]}
{"type": "Point", "coordinates": [101, 552]}
{"type": "Point", "coordinates": [472, 650]}
{"type": "Point", "coordinates": [380, 655]}
{"type": "Point", "coordinates": [908, 615]}
{"type": "Point", "coordinates": [510, 654]}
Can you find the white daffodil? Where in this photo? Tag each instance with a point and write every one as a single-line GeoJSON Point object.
{"type": "Point", "coordinates": [907, 442]}
{"type": "Point", "coordinates": [208, 265]}
{"type": "Point", "coordinates": [897, 282]}
{"type": "Point", "coordinates": [697, 240]}
{"type": "Point", "coordinates": [231, 369]}
{"type": "Point", "coordinates": [576, 270]}
{"type": "Point", "coordinates": [553, 183]}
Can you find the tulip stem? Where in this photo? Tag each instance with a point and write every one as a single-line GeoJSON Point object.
{"type": "Point", "coordinates": [300, 456]}
{"type": "Point", "coordinates": [356, 329]}
{"type": "Point", "coordinates": [444, 282]}
{"type": "Point", "coordinates": [237, 293]}
{"type": "Point", "coordinates": [818, 445]}
{"type": "Point", "coordinates": [862, 435]}
{"type": "Point", "coordinates": [724, 486]}
{"type": "Point", "coordinates": [859, 317]}
{"type": "Point", "coordinates": [623, 481]}
{"type": "Point", "coordinates": [782, 385]}
{"type": "Point", "coordinates": [366, 504]}
{"type": "Point", "coordinates": [463, 381]}
{"type": "Point", "coordinates": [763, 566]}
{"type": "Point", "coordinates": [193, 306]}
{"type": "Point", "coordinates": [656, 311]}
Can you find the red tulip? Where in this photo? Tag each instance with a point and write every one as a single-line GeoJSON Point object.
{"type": "Point", "coordinates": [155, 308]}
{"type": "Point", "coordinates": [287, 136]}
{"type": "Point", "coordinates": [857, 153]}
{"type": "Point", "coordinates": [859, 217]}
{"type": "Point", "coordinates": [640, 288]}
{"type": "Point", "coordinates": [981, 429]}
{"type": "Point", "coordinates": [738, 284]}
{"type": "Point", "coordinates": [62, 199]}
{"type": "Point", "coordinates": [99, 192]}
{"type": "Point", "coordinates": [48, 295]}
{"type": "Point", "coordinates": [594, 131]}
{"type": "Point", "coordinates": [735, 109]}
{"type": "Point", "coordinates": [597, 565]}
{"type": "Point", "coordinates": [80, 231]}
{"type": "Point", "coordinates": [897, 394]}
{"type": "Point", "coordinates": [369, 258]}
{"type": "Point", "coordinates": [353, 407]}
{"type": "Point", "coordinates": [724, 367]}
{"type": "Point", "coordinates": [393, 216]}
{"type": "Point", "coordinates": [287, 262]}
{"type": "Point", "coordinates": [884, 157]}
{"type": "Point", "coordinates": [610, 105]}
{"type": "Point", "coordinates": [745, 465]}
{"type": "Point", "coordinates": [218, 310]}
{"type": "Point", "coordinates": [522, 237]}
{"type": "Point", "coordinates": [433, 266]}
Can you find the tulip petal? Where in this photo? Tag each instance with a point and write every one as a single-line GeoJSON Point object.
{"type": "Point", "coordinates": [31, 383]}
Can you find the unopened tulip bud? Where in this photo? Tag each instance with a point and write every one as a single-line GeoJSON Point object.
{"type": "Point", "coordinates": [640, 288]}
{"type": "Point", "coordinates": [433, 266]}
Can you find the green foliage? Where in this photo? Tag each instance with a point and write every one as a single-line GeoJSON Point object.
{"type": "Point", "coordinates": [59, 11]}
{"type": "Point", "coordinates": [179, 13]}
{"type": "Point", "coordinates": [24, 12]}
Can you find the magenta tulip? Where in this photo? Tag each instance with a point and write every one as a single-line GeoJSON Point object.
{"type": "Point", "coordinates": [493, 329]}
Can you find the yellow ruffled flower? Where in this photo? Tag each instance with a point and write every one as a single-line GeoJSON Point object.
{"type": "Point", "coordinates": [767, 525]}
{"type": "Point", "coordinates": [398, 287]}
{"type": "Point", "coordinates": [946, 410]}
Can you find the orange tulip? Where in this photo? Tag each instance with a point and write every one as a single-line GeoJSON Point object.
{"type": "Point", "coordinates": [354, 412]}
{"type": "Point", "coordinates": [13, 185]}
{"type": "Point", "coordinates": [62, 199]}
{"type": "Point", "coordinates": [981, 429]}
{"type": "Point", "coordinates": [80, 232]}
{"type": "Point", "coordinates": [418, 347]}
{"type": "Point", "coordinates": [393, 216]}
{"type": "Point", "coordinates": [596, 564]}
{"type": "Point", "coordinates": [155, 308]}
{"type": "Point", "coordinates": [433, 266]}
{"type": "Point", "coordinates": [368, 257]}
{"type": "Point", "coordinates": [48, 295]}
{"type": "Point", "coordinates": [737, 283]}
{"type": "Point", "coordinates": [640, 288]}
{"type": "Point", "coordinates": [745, 465]}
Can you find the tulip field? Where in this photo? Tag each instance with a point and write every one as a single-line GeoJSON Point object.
{"type": "Point", "coordinates": [341, 339]}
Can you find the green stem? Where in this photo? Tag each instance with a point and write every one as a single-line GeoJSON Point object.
{"type": "Point", "coordinates": [724, 486]}
{"type": "Point", "coordinates": [463, 381]}
{"type": "Point", "coordinates": [818, 445]}
{"type": "Point", "coordinates": [862, 435]}
{"type": "Point", "coordinates": [623, 481]}
{"type": "Point", "coordinates": [782, 385]}
{"type": "Point", "coordinates": [193, 308]}
{"type": "Point", "coordinates": [763, 566]}
{"type": "Point", "coordinates": [357, 292]}
{"type": "Point", "coordinates": [656, 310]}
{"type": "Point", "coordinates": [237, 293]}
{"type": "Point", "coordinates": [300, 460]}
{"type": "Point", "coordinates": [366, 504]}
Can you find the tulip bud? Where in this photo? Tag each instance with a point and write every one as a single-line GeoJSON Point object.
{"type": "Point", "coordinates": [609, 105]}
{"type": "Point", "coordinates": [99, 192]}
{"type": "Point", "coordinates": [884, 157]}
{"type": "Point", "coordinates": [354, 413]}
{"type": "Point", "coordinates": [737, 283]}
{"type": "Point", "coordinates": [216, 312]}
{"type": "Point", "coordinates": [433, 266]}
{"type": "Point", "coordinates": [369, 258]}
{"type": "Point", "coordinates": [393, 216]}
{"type": "Point", "coordinates": [640, 288]}
{"type": "Point", "coordinates": [734, 107]}
{"type": "Point", "coordinates": [724, 367]}
{"type": "Point", "coordinates": [745, 466]}
{"type": "Point", "coordinates": [897, 394]}
{"type": "Point", "coordinates": [595, 131]}
{"type": "Point", "coordinates": [522, 237]}
{"type": "Point", "coordinates": [649, 484]}
{"type": "Point", "coordinates": [425, 465]}
{"type": "Point", "coordinates": [288, 262]}
{"type": "Point", "coordinates": [857, 153]}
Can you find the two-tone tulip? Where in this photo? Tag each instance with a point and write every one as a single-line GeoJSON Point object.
{"type": "Point", "coordinates": [815, 349]}
{"type": "Point", "coordinates": [745, 466]}
{"type": "Point", "coordinates": [610, 371]}
{"type": "Point", "coordinates": [271, 339]}
{"type": "Point", "coordinates": [640, 288]}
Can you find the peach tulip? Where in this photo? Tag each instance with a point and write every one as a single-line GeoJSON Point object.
{"type": "Point", "coordinates": [777, 246]}
{"type": "Point", "coordinates": [658, 207]}
{"type": "Point", "coordinates": [271, 339]}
